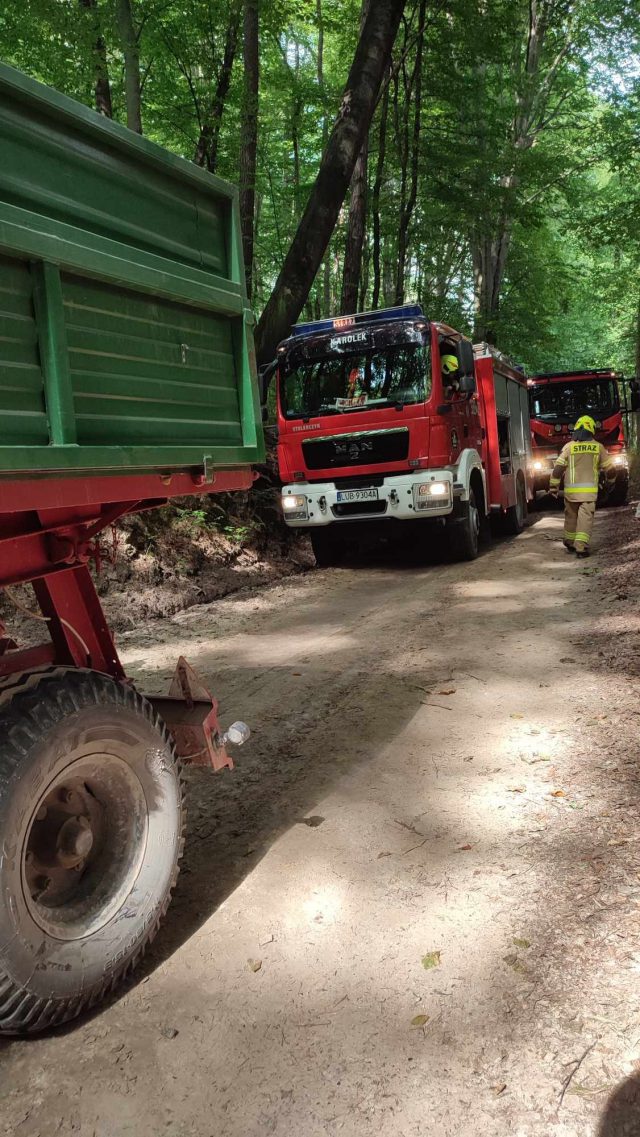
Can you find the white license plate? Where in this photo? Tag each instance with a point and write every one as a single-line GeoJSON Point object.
{"type": "Point", "coordinates": [357, 495]}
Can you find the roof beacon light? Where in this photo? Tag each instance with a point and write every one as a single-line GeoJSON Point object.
{"type": "Point", "coordinates": [340, 323]}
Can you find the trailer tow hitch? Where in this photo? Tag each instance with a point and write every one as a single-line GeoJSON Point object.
{"type": "Point", "coordinates": [190, 714]}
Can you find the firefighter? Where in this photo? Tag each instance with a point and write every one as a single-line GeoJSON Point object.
{"type": "Point", "coordinates": [581, 462]}
{"type": "Point", "coordinates": [449, 365]}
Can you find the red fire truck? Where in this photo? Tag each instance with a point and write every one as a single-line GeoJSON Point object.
{"type": "Point", "coordinates": [556, 400]}
{"type": "Point", "coordinates": [389, 424]}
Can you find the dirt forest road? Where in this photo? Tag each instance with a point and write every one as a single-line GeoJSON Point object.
{"type": "Point", "coordinates": [413, 909]}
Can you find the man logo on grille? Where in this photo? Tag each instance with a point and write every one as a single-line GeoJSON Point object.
{"type": "Point", "coordinates": [352, 450]}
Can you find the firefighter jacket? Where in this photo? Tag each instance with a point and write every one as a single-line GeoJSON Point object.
{"type": "Point", "coordinates": [581, 462]}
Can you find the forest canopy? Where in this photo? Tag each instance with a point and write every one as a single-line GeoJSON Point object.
{"type": "Point", "coordinates": [498, 180]}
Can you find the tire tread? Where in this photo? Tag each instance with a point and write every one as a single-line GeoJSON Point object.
{"type": "Point", "coordinates": [30, 704]}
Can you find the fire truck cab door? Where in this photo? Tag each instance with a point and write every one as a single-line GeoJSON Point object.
{"type": "Point", "coordinates": [463, 420]}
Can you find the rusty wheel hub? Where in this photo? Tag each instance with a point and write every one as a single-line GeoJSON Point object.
{"type": "Point", "coordinates": [67, 826]}
{"type": "Point", "coordinates": [84, 846]}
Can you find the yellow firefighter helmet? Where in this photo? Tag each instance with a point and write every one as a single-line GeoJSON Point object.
{"type": "Point", "coordinates": [449, 364]}
{"type": "Point", "coordinates": [585, 422]}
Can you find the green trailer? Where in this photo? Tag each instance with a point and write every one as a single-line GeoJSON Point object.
{"type": "Point", "coordinates": [127, 377]}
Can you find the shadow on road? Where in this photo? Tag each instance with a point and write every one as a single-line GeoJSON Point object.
{"type": "Point", "coordinates": [621, 1117]}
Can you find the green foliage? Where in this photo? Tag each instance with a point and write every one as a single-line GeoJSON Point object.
{"type": "Point", "coordinates": [566, 190]}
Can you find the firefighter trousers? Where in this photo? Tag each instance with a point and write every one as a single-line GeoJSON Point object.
{"type": "Point", "coordinates": [578, 522]}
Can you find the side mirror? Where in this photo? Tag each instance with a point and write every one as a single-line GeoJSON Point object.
{"type": "Point", "coordinates": [466, 363]}
{"type": "Point", "coordinates": [467, 385]}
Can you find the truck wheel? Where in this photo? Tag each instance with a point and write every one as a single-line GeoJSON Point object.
{"type": "Point", "coordinates": [91, 823]}
{"type": "Point", "coordinates": [328, 548]}
{"type": "Point", "coordinates": [516, 515]}
{"type": "Point", "coordinates": [618, 495]}
{"type": "Point", "coordinates": [464, 532]}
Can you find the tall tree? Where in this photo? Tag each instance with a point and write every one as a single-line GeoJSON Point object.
{"type": "Point", "coordinates": [409, 139]}
{"type": "Point", "coordinates": [376, 197]}
{"type": "Point", "coordinates": [540, 62]}
{"type": "Point", "coordinates": [326, 264]}
{"type": "Point", "coordinates": [102, 86]}
{"type": "Point", "coordinates": [354, 244]}
{"type": "Point", "coordinates": [206, 152]}
{"type": "Point", "coordinates": [249, 135]}
{"type": "Point", "coordinates": [336, 170]}
{"type": "Point", "coordinates": [131, 53]}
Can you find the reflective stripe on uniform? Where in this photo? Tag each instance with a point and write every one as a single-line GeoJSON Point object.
{"type": "Point", "coordinates": [583, 538]}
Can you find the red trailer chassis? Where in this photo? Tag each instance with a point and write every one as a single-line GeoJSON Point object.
{"type": "Point", "coordinates": [49, 533]}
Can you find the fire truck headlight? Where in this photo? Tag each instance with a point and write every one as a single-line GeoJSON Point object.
{"type": "Point", "coordinates": [430, 494]}
{"type": "Point", "coordinates": [620, 459]}
{"type": "Point", "coordinates": [538, 466]}
{"type": "Point", "coordinates": [295, 507]}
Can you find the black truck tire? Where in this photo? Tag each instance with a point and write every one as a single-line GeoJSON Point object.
{"type": "Point", "coordinates": [91, 823]}
{"type": "Point", "coordinates": [515, 517]}
{"type": "Point", "coordinates": [464, 533]}
{"type": "Point", "coordinates": [618, 495]}
{"type": "Point", "coordinates": [329, 547]}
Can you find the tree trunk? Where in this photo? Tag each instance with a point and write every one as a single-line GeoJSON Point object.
{"type": "Point", "coordinates": [131, 53]}
{"type": "Point", "coordinates": [375, 198]}
{"type": "Point", "coordinates": [413, 93]}
{"type": "Point", "coordinates": [489, 255]}
{"type": "Point", "coordinates": [336, 170]}
{"type": "Point", "coordinates": [249, 135]}
{"type": "Point", "coordinates": [355, 233]}
{"type": "Point", "coordinates": [637, 360]}
{"type": "Point", "coordinates": [326, 264]}
{"type": "Point", "coordinates": [357, 220]}
{"type": "Point", "coordinates": [102, 86]}
{"type": "Point", "coordinates": [206, 153]}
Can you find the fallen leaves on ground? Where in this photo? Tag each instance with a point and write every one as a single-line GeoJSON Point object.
{"type": "Point", "coordinates": [447, 691]}
{"type": "Point", "coordinates": [419, 1020]}
{"type": "Point", "coordinates": [558, 793]}
{"type": "Point", "coordinates": [499, 1089]}
{"type": "Point", "coordinates": [521, 943]}
{"type": "Point", "coordinates": [431, 959]}
{"type": "Point", "coordinates": [513, 961]}
{"type": "Point", "coordinates": [254, 964]}
{"type": "Point", "coordinates": [516, 715]}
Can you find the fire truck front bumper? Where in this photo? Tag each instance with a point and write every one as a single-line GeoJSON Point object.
{"type": "Point", "coordinates": [540, 471]}
{"type": "Point", "coordinates": [405, 497]}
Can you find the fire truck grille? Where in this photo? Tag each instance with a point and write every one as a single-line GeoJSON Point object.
{"type": "Point", "coordinates": [356, 449]}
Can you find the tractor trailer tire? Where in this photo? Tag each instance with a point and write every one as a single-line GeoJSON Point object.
{"type": "Point", "coordinates": [91, 824]}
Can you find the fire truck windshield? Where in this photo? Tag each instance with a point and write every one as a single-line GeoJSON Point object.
{"type": "Point", "coordinates": [393, 375]}
{"type": "Point", "coordinates": [597, 397]}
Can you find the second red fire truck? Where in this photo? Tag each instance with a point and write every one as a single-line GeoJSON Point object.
{"type": "Point", "coordinates": [556, 401]}
{"type": "Point", "coordinates": [390, 423]}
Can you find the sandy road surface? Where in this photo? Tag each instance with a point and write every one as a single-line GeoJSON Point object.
{"type": "Point", "coordinates": [437, 767]}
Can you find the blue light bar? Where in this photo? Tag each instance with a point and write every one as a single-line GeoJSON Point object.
{"type": "Point", "coordinates": [341, 323]}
